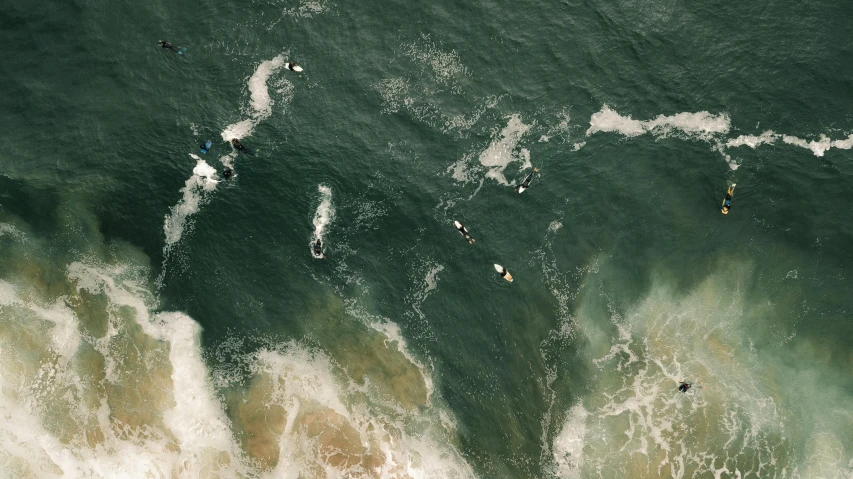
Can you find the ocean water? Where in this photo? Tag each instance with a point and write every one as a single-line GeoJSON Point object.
{"type": "Point", "coordinates": [158, 320]}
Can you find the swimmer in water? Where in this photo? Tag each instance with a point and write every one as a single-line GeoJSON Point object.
{"type": "Point", "coordinates": [227, 173]}
{"type": "Point", "coordinates": [526, 183]}
{"type": "Point", "coordinates": [167, 45]}
{"type": "Point", "coordinates": [318, 249]}
{"type": "Point", "coordinates": [237, 145]}
{"type": "Point", "coordinates": [683, 387]}
{"type": "Point", "coordinates": [461, 228]}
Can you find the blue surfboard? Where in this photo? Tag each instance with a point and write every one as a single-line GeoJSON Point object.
{"type": "Point", "coordinates": [206, 146]}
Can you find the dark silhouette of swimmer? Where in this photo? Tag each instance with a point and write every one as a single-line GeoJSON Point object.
{"type": "Point", "coordinates": [318, 249]}
{"type": "Point", "coordinates": [236, 144]}
{"type": "Point", "coordinates": [227, 173]}
{"type": "Point", "coordinates": [291, 65]}
{"type": "Point", "coordinates": [165, 44]}
{"type": "Point", "coordinates": [683, 387]}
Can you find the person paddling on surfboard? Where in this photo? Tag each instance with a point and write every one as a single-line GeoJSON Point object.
{"type": "Point", "coordinates": [205, 147]}
{"type": "Point", "coordinates": [727, 201]}
{"type": "Point", "coordinates": [165, 44]}
{"type": "Point", "coordinates": [318, 249]}
{"type": "Point", "coordinates": [461, 228]}
{"type": "Point", "coordinates": [503, 272]}
{"type": "Point", "coordinates": [292, 66]}
{"type": "Point", "coordinates": [526, 183]}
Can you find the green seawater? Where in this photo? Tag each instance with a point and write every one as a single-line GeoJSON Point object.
{"type": "Point", "coordinates": [157, 320]}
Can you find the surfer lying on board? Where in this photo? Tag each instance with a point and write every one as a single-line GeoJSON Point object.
{"type": "Point", "coordinates": [526, 183]}
{"type": "Point", "coordinates": [503, 272]}
{"type": "Point", "coordinates": [461, 228]}
{"type": "Point", "coordinates": [318, 249]}
{"type": "Point", "coordinates": [292, 66]}
{"type": "Point", "coordinates": [727, 202]}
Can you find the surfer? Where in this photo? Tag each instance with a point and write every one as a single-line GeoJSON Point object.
{"type": "Point", "coordinates": [236, 144]}
{"type": "Point", "coordinates": [292, 66]}
{"type": "Point", "coordinates": [526, 183]}
{"type": "Point", "coordinates": [205, 147]}
{"type": "Point", "coordinates": [318, 249]}
{"type": "Point", "coordinates": [461, 228]}
{"type": "Point", "coordinates": [227, 173]}
{"type": "Point", "coordinates": [165, 44]}
{"type": "Point", "coordinates": [683, 387]}
{"type": "Point", "coordinates": [503, 272]}
{"type": "Point", "coordinates": [727, 202]}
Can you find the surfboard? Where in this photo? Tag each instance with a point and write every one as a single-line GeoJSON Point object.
{"type": "Point", "coordinates": [501, 270]}
{"type": "Point", "coordinates": [296, 69]}
{"type": "Point", "coordinates": [530, 176]}
{"type": "Point", "coordinates": [206, 146]}
{"type": "Point", "coordinates": [722, 206]}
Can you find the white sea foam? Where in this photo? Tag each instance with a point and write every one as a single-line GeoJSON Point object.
{"type": "Point", "coordinates": [445, 65]}
{"type": "Point", "coordinates": [567, 448]}
{"type": "Point", "coordinates": [732, 422]}
{"type": "Point", "coordinates": [502, 151]}
{"type": "Point", "coordinates": [194, 195]}
{"type": "Point", "coordinates": [818, 147]}
{"type": "Point", "coordinates": [306, 9]}
{"type": "Point", "coordinates": [324, 215]}
{"type": "Point", "coordinates": [702, 125]}
{"type": "Point", "coordinates": [425, 287]}
{"type": "Point", "coordinates": [261, 101]}
{"type": "Point", "coordinates": [768, 137]}
{"type": "Point", "coordinates": [7, 229]}
{"type": "Point", "coordinates": [95, 384]}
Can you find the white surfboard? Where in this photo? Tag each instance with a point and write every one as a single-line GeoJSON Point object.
{"type": "Point", "coordinates": [521, 188]}
{"type": "Point", "coordinates": [463, 232]}
{"type": "Point", "coordinates": [296, 68]}
{"type": "Point", "coordinates": [503, 272]}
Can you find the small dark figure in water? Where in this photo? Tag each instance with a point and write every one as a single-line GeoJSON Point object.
{"type": "Point", "coordinates": [318, 249]}
{"type": "Point", "coordinates": [227, 173]}
{"type": "Point", "coordinates": [165, 44]}
{"type": "Point", "coordinates": [683, 387]}
{"type": "Point", "coordinates": [236, 144]}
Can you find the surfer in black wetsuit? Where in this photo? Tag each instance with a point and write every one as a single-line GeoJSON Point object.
{"type": "Point", "coordinates": [236, 144]}
{"type": "Point", "coordinates": [683, 387]}
{"type": "Point", "coordinates": [227, 173]}
{"type": "Point", "coordinates": [461, 228]}
{"type": "Point", "coordinates": [526, 183]}
{"type": "Point", "coordinates": [291, 66]}
{"type": "Point", "coordinates": [318, 249]}
{"type": "Point", "coordinates": [165, 44]}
